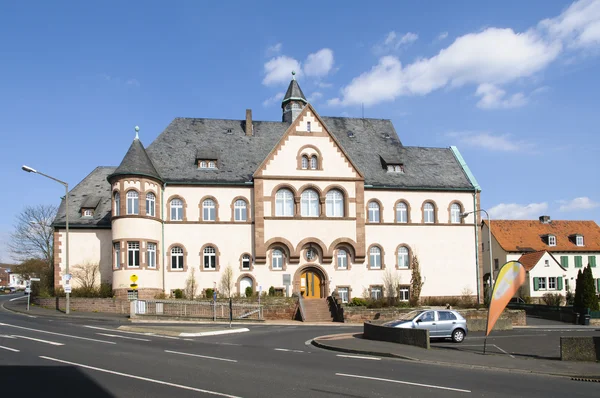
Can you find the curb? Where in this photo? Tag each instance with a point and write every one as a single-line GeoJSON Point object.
{"type": "Point", "coordinates": [61, 315]}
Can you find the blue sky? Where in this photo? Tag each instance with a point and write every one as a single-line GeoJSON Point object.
{"type": "Point", "coordinates": [513, 84]}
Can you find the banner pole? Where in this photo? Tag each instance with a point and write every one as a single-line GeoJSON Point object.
{"type": "Point", "coordinates": [484, 344]}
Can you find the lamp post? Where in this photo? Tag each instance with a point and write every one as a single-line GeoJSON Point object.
{"type": "Point", "coordinates": [463, 215]}
{"type": "Point", "coordinates": [66, 185]}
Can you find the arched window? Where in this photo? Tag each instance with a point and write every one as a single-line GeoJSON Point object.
{"type": "Point", "coordinates": [176, 258]}
{"type": "Point", "coordinates": [428, 213]}
{"type": "Point", "coordinates": [284, 203]}
{"type": "Point", "coordinates": [314, 163]}
{"type": "Point", "coordinates": [375, 258]}
{"type": "Point", "coordinates": [334, 203]}
{"type": "Point", "coordinates": [374, 212]}
{"type": "Point", "coordinates": [176, 210]}
{"type": "Point", "coordinates": [304, 162]}
{"type": "Point", "coordinates": [211, 165]}
{"type": "Point", "coordinates": [208, 210]}
{"type": "Point", "coordinates": [246, 282]}
{"type": "Point", "coordinates": [240, 210]}
{"type": "Point", "coordinates": [401, 213]}
{"type": "Point", "coordinates": [455, 213]}
{"type": "Point", "coordinates": [133, 202]}
{"type": "Point", "coordinates": [150, 204]}
{"type": "Point", "coordinates": [403, 257]}
{"type": "Point", "coordinates": [117, 211]}
{"type": "Point", "coordinates": [203, 164]}
{"type": "Point", "coordinates": [342, 259]}
{"type": "Point", "coordinates": [210, 258]}
{"type": "Point", "coordinates": [246, 262]}
{"type": "Point", "coordinates": [310, 203]}
{"type": "Point", "coordinates": [296, 106]}
{"type": "Point", "coordinates": [277, 259]}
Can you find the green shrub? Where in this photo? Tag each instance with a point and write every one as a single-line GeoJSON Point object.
{"type": "Point", "coordinates": [178, 293]}
{"type": "Point", "coordinates": [271, 291]}
{"type": "Point", "coordinates": [209, 293]}
{"type": "Point", "coordinates": [380, 303]}
{"type": "Point", "coordinates": [441, 301]}
{"type": "Point", "coordinates": [357, 302]}
{"type": "Point", "coordinates": [250, 292]}
{"type": "Point", "coordinates": [106, 290]}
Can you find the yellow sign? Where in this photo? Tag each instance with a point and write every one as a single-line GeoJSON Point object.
{"type": "Point", "coordinates": [133, 278]}
{"type": "Point", "coordinates": [133, 286]}
{"type": "Point", "coordinates": [509, 280]}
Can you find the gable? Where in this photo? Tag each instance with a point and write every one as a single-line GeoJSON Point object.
{"type": "Point", "coordinates": [536, 263]}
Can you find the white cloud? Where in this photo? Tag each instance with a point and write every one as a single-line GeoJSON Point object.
{"type": "Point", "coordinates": [314, 97]}
{"type": "Point", "coordinates": [272, 100]}
{"type": "Point", "coordinates": [442, 35]}
{"type": "Point", "coordinates": [514, 211]}
{"type": "Point", "coordinates": [319, 64]}
{"type": "Point", "coordinates": [493, 97]}
{"type": "Point", "coordinates": [132, 82]}
{"type": "Point", "coordinates": [324, 85]}
{"type": "Point", "coordinates": [279, 70]}
{"type": "Point", "coordinates": [582, 203]}
{"type": "Point", "coordinates": [578, 25]}
{"type": "Point", "coordinates": [393, 42]}
{"type": "Point", "coordinates": [489, 141]}
{"type": "Point", "coordinates": [274, 49]}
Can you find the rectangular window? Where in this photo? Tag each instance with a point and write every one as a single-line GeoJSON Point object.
{"type": "Point", "coordinates": [150, 204]}
{"type": "Point", "coordinates": [404, 293]}
{"type": "Point", "coordinates": [552, 283]}
{"type": "Point", "coordinates": [343, 293]}
{"type": "Point", "coordinates": [578, 262]}
{"type": "Point", "coordinates": [117, 259]}
{"type": "Point", "coordinates": [376, 292]}
{"type": "Point", "coordinates": [542, 283]}
{"type": "Point", "coordinates": [151, 255]}
{"type": "Point", "coordinates": [579, 240]}
{"type": "Point", "coordinates": [496, 264]}
{"type": "Point", "coordinates": [592, 261]}
{"type": "Point", "coordinates": [246, 262]}
{"type": "Point", "coordinates": [308, 126]}
{"type": "Point", "coordinates": [88, 213]}
{"type": "Point", "coordinates": [133, 254]}
{"type": "Point", "coordinates": [564, 261]}
{"type": "Point", "coordinates": [546, 263]}
{"type": "Point", "coordinates": [551, 240]}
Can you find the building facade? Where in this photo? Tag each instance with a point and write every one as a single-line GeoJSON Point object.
{"type": "Point", "coordinates": [310, 204]}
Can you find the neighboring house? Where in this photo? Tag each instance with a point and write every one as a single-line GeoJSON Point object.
{"type": "Point", "coordinates": [5, 274]}
{"type": "Point", "coordinates": [309, 204]}
{"type": "Point", "coordinates": [552, 252]}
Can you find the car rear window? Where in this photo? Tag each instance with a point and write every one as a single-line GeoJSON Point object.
{"type": "Point", "coordinates": [446, 316]}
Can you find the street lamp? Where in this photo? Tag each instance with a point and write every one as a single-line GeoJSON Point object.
{"type": "Point", "coordinates": [463, 215]}
{"type": "Point", "coordinates": [66, 185]}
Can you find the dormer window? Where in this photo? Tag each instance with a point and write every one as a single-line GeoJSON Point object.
{"type": "Point", "coordinates": [207, 164]}
{"type": "Point", "coordinates": [202, 164]}
{"type": "Point", "coordinates": [87, 213]}
{"type": "Point", "coordinates": [579, 240]}
{"type": "Point", "coordinates": [395, 168]}
{"type": "Point", "coordinates": [308, 126]}
{"type": "Point", "coordinates": [551, 240]}
{"type": "Point", "coordinates": [211, 165]}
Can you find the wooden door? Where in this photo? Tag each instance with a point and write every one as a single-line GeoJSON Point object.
{"type": "Point", "coordinates": [311, 285]}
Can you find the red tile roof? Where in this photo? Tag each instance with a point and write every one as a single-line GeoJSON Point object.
{"type": "Point", "coordinates": [527, 235]}
{"type": "Point", "coordinates": [529, 260]}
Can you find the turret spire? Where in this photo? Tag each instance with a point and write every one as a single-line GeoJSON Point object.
{"type": "Point", "coordinates": [293, 101]}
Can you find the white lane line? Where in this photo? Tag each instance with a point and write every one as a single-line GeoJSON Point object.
{"type": "Point", "coordinates": [215, 332]}
{"type": "Point", "coordinates": [122, 337]}
{"type": "Point", "coordinates": [200, 356]}
{"type": "Point", "coordinates": [58, 334]}
{"type": "Point", "coordinates": [403, 382]}
{"type": "Point", "coordinates": [227, 343]}
{"type": "Point", "coordinates": [506, 337]}
{"type": "Point", "coordinates": [359, 357]}
{"type": "Point", "coordinates": [141, 378]}
{"type": "Point", "coordinates": [9, 349]}
{"type": "Point", "coordinates": [128, 332]}
{"type": "Point", "coordinates": [287, 350]}
{"type": "Point", "coordinates": [503, 351]}
{"type": "Point", "coordinates": [18, 298]}
{"type": "Point", "coordinates": [38, 340]}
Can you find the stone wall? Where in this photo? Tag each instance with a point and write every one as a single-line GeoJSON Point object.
{"type": "Point", "coordinates": [108, 305]}
{"type": "Point", "coordinates": [416, 337]}
{"type": "Point", "coordinates": [585, 348]}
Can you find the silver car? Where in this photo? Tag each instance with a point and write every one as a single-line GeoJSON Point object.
{"type": "Point", "coordinates": [440, 323]}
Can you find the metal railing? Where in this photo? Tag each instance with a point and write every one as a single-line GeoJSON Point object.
{"type": "Point", "coordinates": [198, 309]}
{"type": "Point", "coordinates": [301, 305]}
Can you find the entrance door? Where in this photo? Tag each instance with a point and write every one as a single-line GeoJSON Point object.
{"type": "Point", "coordinates": [310, 284]}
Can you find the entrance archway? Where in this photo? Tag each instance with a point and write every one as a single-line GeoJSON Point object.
{"type": "Point", "coordinates": [312, 282]}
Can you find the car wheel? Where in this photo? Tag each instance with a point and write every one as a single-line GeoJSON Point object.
{"type": "Point", "coordinates": [458, 335]}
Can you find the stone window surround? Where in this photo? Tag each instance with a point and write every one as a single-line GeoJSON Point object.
{"type": "Point", "coordinates": [322, 193]}
{"type": "Point", "coordinates": [435, 212]}
{"type": "Point", "coordinates": [316, 248]}
{"type": "Point", "coordinates": [410, 256]}
{"type": "Point", "coordinates": [139, 202]}
{"type": "Point", "coordinates": [239, 280]}
{"type": "Point", "coordinates": [185, 256]}
{"type": "Point", "coordinates": [248, 212]}
{"type": "Point", "coordinates": [139, 242]}
{"type": "Point", "coordinates": [201, 209]}
{"type": "Point", "coordinates": [284, 261]}
{"type": "Point", "coordinates": [144, 263]}
{"type": "Point", "coordinates": [382, 257]}
{"type": "Point", "coordinates": [379, 286]}
{"type": "Point", "coordinates": [349, 257]}
{"type": "Point", "coordinates": [408, 210]}
{"type": "Point", "coordinates": [156, 209]}
{"type": "Point", "coordinates": [381, 220]}
{"type": "Point", "coordinates": [462, 210]}
{"type": "Point", "coordinates": [121, 264]}
{"type": "Point", "coordinates": [217, 256]}
{"type": "Point", "coordinates": [242, 269]}
{"type": "Point", "coordinates": [184, 208]}
{"type": "Point", "coordinates": [349, 291]}
{"type": "Point", "coordinates": [302, 152]}
{"type": "Point", "coordinates": [404, 287]}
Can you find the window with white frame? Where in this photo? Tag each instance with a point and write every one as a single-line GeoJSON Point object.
{"type": "Point", "coordinates": [343, 293]}
{"type": "Point", "coordinates": [304, 162]}
{"type": "Point", "coordinates": [176, 258]}
{"type": "Point", "coordinates": [176, 210]}
{"type": "Point", "coordinates": [308, 126]}
{"type": "Point", "coordinates": [551, 240]}
{"type": "Point", "coordinates": [314, 163]}
{"type": "Point", "coordinates": [542, 283]}
{"type": "Point", "coordinates": [210, 258]}
{"type": "Point", "coordinates": [117, 210]}
{"type": "Point", "coordinates": [277, 259]}
{"type": "Point", "coordinates": [334, 203]}
{"type": "Point", "coordinates": [428, 213]}
{"type": "Point", "coordinates": [374, 212]}
{"type": "Point", "coordinates": [552, 283]}
{"type": "Point", "coordinates": [133, 202]}
{"type": "Point", "coordinates": [88, 213]}
{"type": "Point", "coordinates": [203, 164]}
{"type": "Point", "coordinates": [376, 292]}
{"type": "Point", "coordinates": [284, 203]}
{"type": "Point", "coordinates": [455, 213]}
{"type": "Point", "coordinates": [240, 209]}
{"type": "Point", "coordinates": [151, 255]}
{"type": "Point", "coordinates": [579, 240]}
{"type": "Point", "coordinates": [117, 259]}
{"type": "Point", "coordinates": [342, 259]}
{"type": "Point", "coordinates": [546, 263]}
{"type": "Point", "coordinates": [401, 213]}
{"type": "Point", "coordinates": [309, 203]}
{"type": "Point", "coordinates": [246, 262]}
{"type": "Point", "coordinates": [404, 293]}
{"type": "Point", "coordinates": [208, 210]}
{"type": "Point", "coordinates": [212, 164]}
{"type": "Point", "coordinates": [375, 258]}
{"type": "Point", "coordinates": [150, 204]}
{"type": "Point", "coordinates": [402, 257]}
{"type": "Point", "coordinates": [311, 254]}
{"type": "Point", "coordinates": [133, 254]}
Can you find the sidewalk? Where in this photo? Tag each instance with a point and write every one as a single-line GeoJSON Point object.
{"type": "Point", "coordinates": [355, 344]}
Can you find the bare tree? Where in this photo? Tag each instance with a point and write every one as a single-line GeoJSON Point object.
{"type": "Point", "coordinates": [191, 286]}
{"type": "Point", "coordinates": [391, 284]}
{"type": "Point", "coordinates": [33, 235]}
{"type": "Point", "coordinates": [86, 275]}
{"type": "Point", "coordinates": [227, 281]}
{"type": "Point", "coordinates": [416, 282]}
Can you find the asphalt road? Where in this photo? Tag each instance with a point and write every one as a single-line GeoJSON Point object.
{"type": "Point", "coordinates": [70, 358]}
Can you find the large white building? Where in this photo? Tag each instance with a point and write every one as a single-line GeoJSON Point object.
{"type": "Point", "coordinates": [324, 202]}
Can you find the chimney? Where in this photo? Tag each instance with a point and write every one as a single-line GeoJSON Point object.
{"type": "Point", "coordinates": [545, 219]}
{"type": "Point", "coordinates": [249, 126]}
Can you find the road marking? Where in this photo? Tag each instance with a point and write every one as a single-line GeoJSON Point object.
{"type": "Point", "coordinates": [287, 350]}
{"type": "Point", "coordinates": [18, 298]}
{"type": "Point", "coordinates": [9, 349]}
{"type": "Point", "coordinates": [6, 336]}
{"type": "Point", "coordinates": [58, 334]}
{"type": "Point", "coordinates": [214, 332]}
{"type": "Point", "coordinates": [503, 351]}
{"type": "Point", "coordinates": [358, 357]}
{"type": "Point", "coordinates": [122, 337]}
{"type": "Point", "coordinates": [38, 340]}
{"type": "Point", "coordinates": [201, 356]}
{"type": "Point", "coordinates": [403, 382]}
{"type": "Point", "coordinates": [506, 337]}
{"type": "Point", "coordinates": [224, 343]}
{"type": "Point", "coordinates": [128, 332]}
{"type": "Point", "coordinates": [141, 378]}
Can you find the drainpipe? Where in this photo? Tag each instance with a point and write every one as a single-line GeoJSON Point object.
{"type": "Point", "coordinates": [476, 244]}
{"type": "Point", "coordinates": [162, 217]}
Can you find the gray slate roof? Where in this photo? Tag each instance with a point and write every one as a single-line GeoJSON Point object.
{"type": "Point", "coordinates": [137, 162]}
{"type": "Point", "coordinates": [294, 91]}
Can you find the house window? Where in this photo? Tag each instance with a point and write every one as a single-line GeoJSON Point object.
{"type": "Point", "coordinates": [176, 210]}
{"type": "Point", "coordinates": [578, 262]}
{"type": "Point", "coordinates": [542, 283]}
{"type": "Point", "coordinates": [496, 265]}
{"type": "Point", "coordinates": [564, 261]}
{"type": "Point", "coordinates": [151, 255]}
{"type": "Point", "coordinates": [402, 257]}
{"type": "Point", "coordinates": [579, 240]}
{"type": "Point", "coordinates": [117, 260]}
{"type": "Point", "coordinates": [404, 293]}
{"type": "Point", "coordinates": [88, 213]}
{"type": "Point", "coordinates": [374, 212]}
{"type": "Point", "coordinates": [343, 293]}
{"type": "Point", "coordinates": [177, 258]}
{"type": "Point", "coordinates": [428, 213]}
{"type": "Point", "coordinates": [150, 204]}
{"type": "Point", "coordinates": [284, 203]}
{"type": "Point", "coordinates": [376, 292]}
{"type": "Point", "coordinates": [210, 258]}
{"type": "Point", "coordinates": [314, 163]}
{"type": "Point", "coordinates": [375, 258]}
{"type": "Point", "coordinates": [203, 164]}
{"type": "Point", "coordinates": [551, 240]}
{"type": "Point", "coordinates": [399, 168]}
{"type": "Point", "coordinates": [546, 263]}
{"type": "Point", "coordinates": [246, 262]}
{"type": "Point", "coordinates": [308, 126]}
{"type": "Point", "coordinates": [133, 254]}
{"type": "Point", "coordinates": [117, 204]}
{"type": "Point", "coordinates": [208, 210]}
{"type": "Point", "coordinates": [334, 203]}
{"type": "Point", "coordinates": [401, 213]}
{"type": "Point", "coordinates": [552, 283]}
{"type": "Point", "coordinates": [241, 210]}
{"type": "Point", "coordinates": [455, 213]}
{"type": "Point", "coordinates": [304, 162]}
{"type": "Point", "coordinates": [310, 203]}
{"type": "Point", "coordinates": [133, 203]}
{"type": "Point", "coordinates": [277, 259]}
{"type": "Point", "coordinates": [311, 254]}
{"type": "Point", "coordinates": [212, 164]}
{"type": "Point", "coordinates": [342, 259]}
